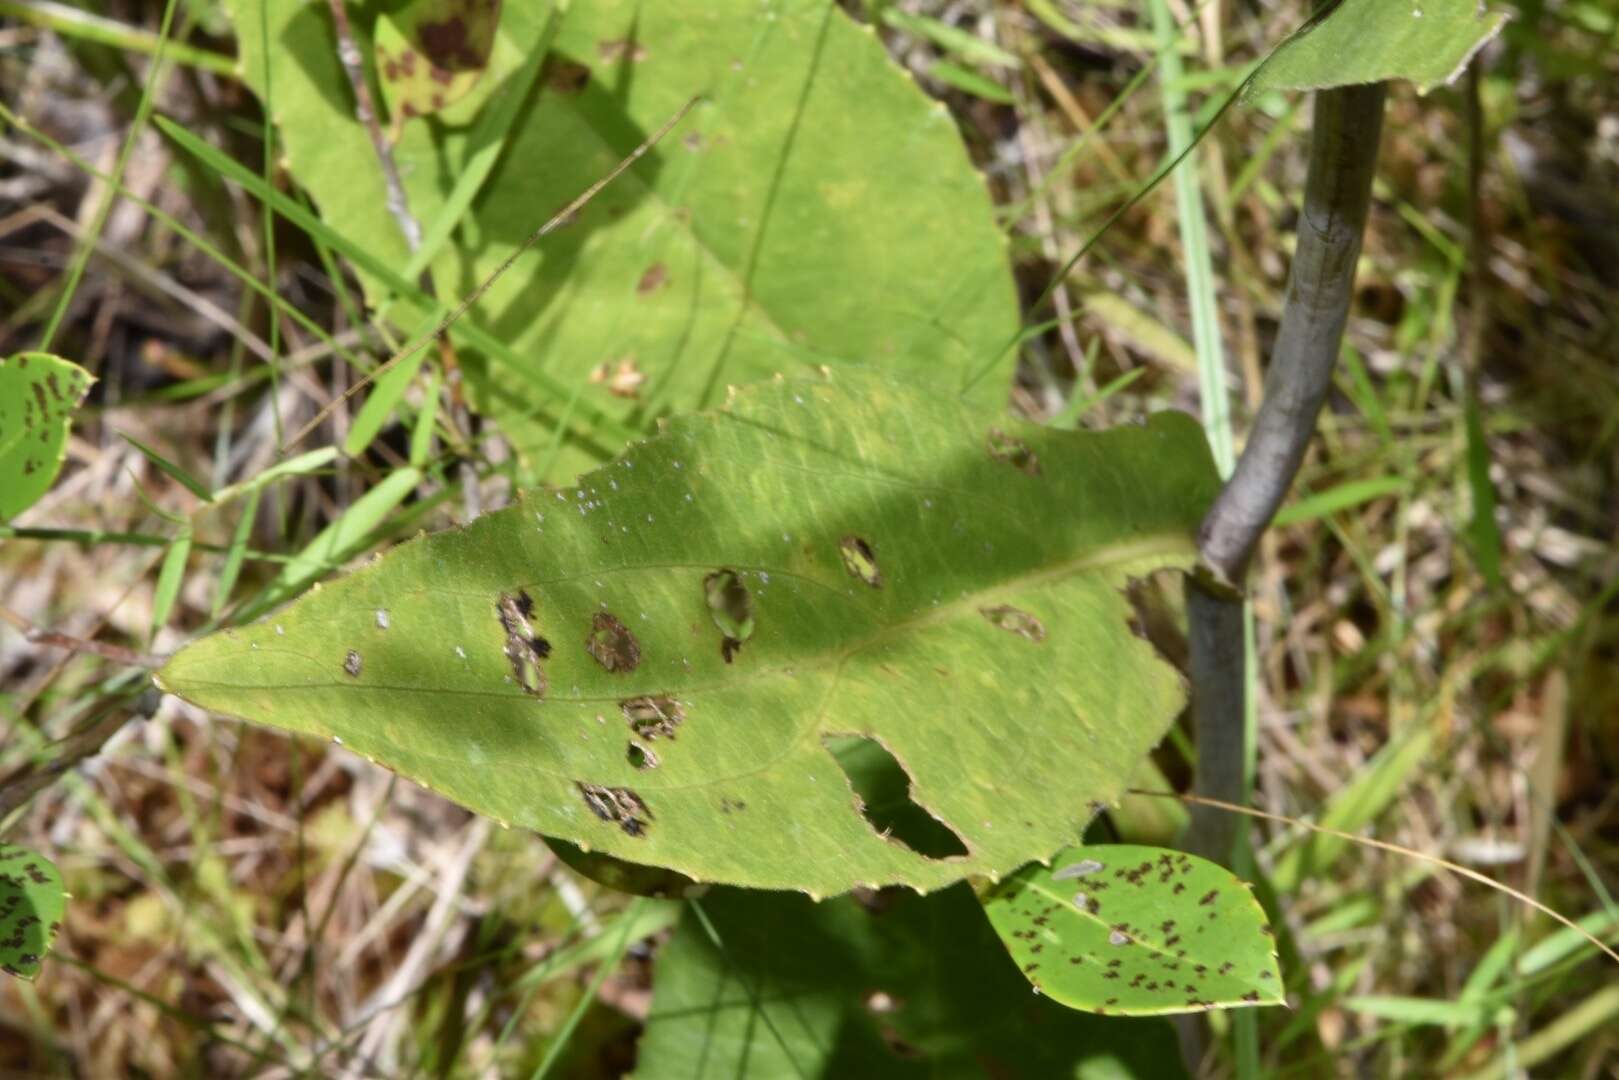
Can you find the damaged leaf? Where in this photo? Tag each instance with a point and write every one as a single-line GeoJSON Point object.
{"type": "Point", "coordinates": [38, 395]}
{"type": "Point", "coordinates": [624, 598]}
{"type": "Point", "coordinates": [412, 83]}
{"type": "Point", "coordinates": [32, 902]}
{"type": "Point", "coordinates": [1137, 931]}
{"type": "Point", "coordinates": [898, 986]}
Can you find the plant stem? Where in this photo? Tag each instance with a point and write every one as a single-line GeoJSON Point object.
{"type": "Point", "coordinates": [348, 53]}
{"type": "Point", "coordinates": [1337, 196]}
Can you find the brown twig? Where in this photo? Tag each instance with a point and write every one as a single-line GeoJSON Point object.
{"type": "Point", "coordinates": [57, 640]}
{"type": "Point", "coordinates": [348, 53]}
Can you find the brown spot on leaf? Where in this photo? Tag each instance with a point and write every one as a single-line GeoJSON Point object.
{"type": "Point", "coordinates": [1015, 621]}
{"type": "Point", "coordinates": [860, 560]}
{"type": "Point", "coordinates": [617, 805]}
{"type": "Point", "coordinates": [651, 281]}
{"type": "Point", "coordinates": [613, 51]}
{"type": "Point", "coordinates": [623, 379]}
{"type": "Point", "coordinates": [612, 644]}
{"type": "Point", "coordinates": [450, 44]}
{"type": "Point", "coordinates": [1013, 451]}
{"type": "Point", "coordinates": [565, 76]}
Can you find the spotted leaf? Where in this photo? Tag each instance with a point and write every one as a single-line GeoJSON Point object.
{"type": "Point", "coordinates": [674, 663]}
{"type": "Point", "coordinates": [31, 905]}
{"type": "Point", "coordinates": [38, 396]}
{"type": "Point", "coordinates": [1136, 931]}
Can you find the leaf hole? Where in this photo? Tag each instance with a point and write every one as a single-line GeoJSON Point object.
{"type": "Point", "coordinates": [1015, 621]}
{"type": "Point", "coordinates": [860, 560]}
{"type": "Point", "coordinates": [730, 604]}
{"type": "Point", "coordinates": [617, 805]}
{"type": "Point", "coordinates": [612, 643]}
{"type": "Point", "coordinates": [882, 791]}
{"type": "Point", "coordinates": [640, 757]}
{"type": "Point", "coordinates": [1012, 451]}
{"type": "Point", "coordinates": [652, 717]}
{"type": "Point", "coordinates": [524, 647]}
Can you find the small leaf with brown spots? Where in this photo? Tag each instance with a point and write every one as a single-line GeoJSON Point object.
{"type": "Point", "coordinates": [38, 395]}
{"type": "Point", "coordinates": [32, 902]}
{"type": "Point", "coordinates": [1137, 946]}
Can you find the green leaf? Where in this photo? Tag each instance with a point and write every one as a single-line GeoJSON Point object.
{"type": "Point", "coordinates": [1137, 931]}
{"type": "Point", "coordinates": [38, 396]}
{"type": "Point", "coordinates": [174, 471]}
{"type": "Point", "coordinates": [814, 207]}
{"type": "Point", "coordinates": [936, 578]}
{"type": "Point", "coordinates": [169, 579]}
{"type": "Point", "coordinates": [896, 986]}
{"type": "Point", "coordinates": [32, 901]}
{"type": "Point", "coordinates": [1427, 42]}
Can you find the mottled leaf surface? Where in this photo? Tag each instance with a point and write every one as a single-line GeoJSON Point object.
{"type": "Point", "coordinates": [816, 207]}
{"type": "Point", "coordinates": [31, 905]}
{"type": "Point", "coordinates": [1427, 42]}
{"type": "Point", "coordinates": [413, 84]}
{"type": "Point", "coordinates": [1137, 931]}
{"type": "Point", "coordinates": [665, 662]}
{"type": "Point", "coordinates": [892, 985]}
{"type": "Point", "coordinates": [38, 396]}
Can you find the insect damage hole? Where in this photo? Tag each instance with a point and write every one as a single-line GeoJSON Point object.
{"type": "Point", "coordinates": [1012, 451]}
{"type": "Point", "coordinates": [1015, 621]}
{"type": "Point", "coordinates": [617, 805]}
{"type": "Point", "coordinates": [612, 644]}
{"type": "Point", "coordinates": [860, 560]}
{"type": "Point", "coordinates": [730, 604]}
{"type": "Point", "coordinates": [652, 717]}
{"type": "Point", "coordinates": [882, 790]}
{"type": "Point", "coordinates": [640, 757]}
{"type": "Point", "coordinates": [524, 648]}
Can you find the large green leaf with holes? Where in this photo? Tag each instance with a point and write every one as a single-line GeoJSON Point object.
{"type": "Point", "coordinates": [888, 985]}
{"type": "Point", "coordinates": [38, 395]}
{"type": "Point", "coordinates": [682, 660]}
{"type": "Point", "coordinates": [815, 207]}
{"type": "Point", "coordinates": [1137, 931]}
{"type": "Point", "coordinates": [1427, 42]}
{"type": "Point", "coordinates": [32, 901]}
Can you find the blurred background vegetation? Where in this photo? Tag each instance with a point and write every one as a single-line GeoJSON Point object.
{"type": "Point", "coordinates": [1438, 630]}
